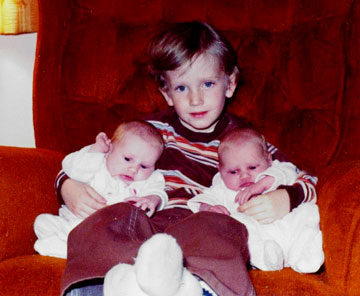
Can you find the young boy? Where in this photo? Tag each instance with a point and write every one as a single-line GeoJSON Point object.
{"type": "Point", "coordinates": [246, 170]}
{"type": "Point", "coordinates": [196, 70]}
{"type": "Point", "coordinates": [121, 169]}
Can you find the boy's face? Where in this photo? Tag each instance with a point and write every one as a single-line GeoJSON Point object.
{"type": "Point", "coordinates": [132, 159]}
{"type": "Point", "coordinates": [198, 90]}
{"type": "Point", "coordinates": [240, 165]}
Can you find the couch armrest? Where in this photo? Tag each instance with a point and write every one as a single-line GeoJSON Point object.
{"type": "Point", "coordinates": [27, 178]}
{"type": "Point", "coordinates": [339, 203]}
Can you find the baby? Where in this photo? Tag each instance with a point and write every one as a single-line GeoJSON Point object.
{"type": "Point", "coordinates": [246, 170]}
{"type": "Point", "coordinates": [121, 170]}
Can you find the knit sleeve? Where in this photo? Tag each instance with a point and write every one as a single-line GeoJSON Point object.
{"type": "Point", "coordinates": [59, 181]}
{"type": "Point", "coordinates": [303, 190]}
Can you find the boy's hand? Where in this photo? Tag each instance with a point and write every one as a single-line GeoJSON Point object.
{"type": "Point", "coordinates": [102, 144]}
{"type": "Point", "coordinates": [147, 203]}
{"type": "Point", "coordinates": [268, 207]}
{"type": "Point", "coordinates": [81, 199]}
{"type": "Point", "coordinates": [215, 209]}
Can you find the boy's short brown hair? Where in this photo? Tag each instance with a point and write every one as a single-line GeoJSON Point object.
{"type": "Point", "coordinates": [142, 129]}
{"type": "Point", "coordinates": [178, 43]}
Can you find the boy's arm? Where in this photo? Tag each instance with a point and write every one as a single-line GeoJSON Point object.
{"type": "Point", "coordinates": [274, 205]}
{"type": "Point", "coordinates": [80, 198]}
{"type": "Point", "coordinates": [59, 181]}
{"type": "Point", "coordinates": [303, 189]}
{"type": "Point", "coordinates": [267, 208]}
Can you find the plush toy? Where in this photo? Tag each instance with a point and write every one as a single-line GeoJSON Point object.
{"type": "Point", "coordinates": [158, 271]}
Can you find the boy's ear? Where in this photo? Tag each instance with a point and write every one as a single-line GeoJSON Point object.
{"type": "Point", "coordinates": [232, 82]}
{"type": "Point", "coordinates": [167, 97]}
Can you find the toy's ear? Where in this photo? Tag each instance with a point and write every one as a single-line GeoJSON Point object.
{"type": "Point", "coordinates": [190, 285]}
{"type": "Point", "coordinates": [121, 280]}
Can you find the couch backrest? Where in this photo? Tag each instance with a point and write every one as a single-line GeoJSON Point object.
{"type": "Point", "coordinates": [299, 62]}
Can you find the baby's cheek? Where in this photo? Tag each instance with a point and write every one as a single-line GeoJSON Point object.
{"type": "Point", "coordinates": [144, 175]}
{"type": "Point", "coordinates": [231, 183]}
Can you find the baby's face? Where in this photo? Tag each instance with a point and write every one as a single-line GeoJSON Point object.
{"type": "Point", "coordinates": [240, 165]}
{"type": "Point", "coordinates": [198, 90]}
{"type": "Point", "coordinates": [132, 159]}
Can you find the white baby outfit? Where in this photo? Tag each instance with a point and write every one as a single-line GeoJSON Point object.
{"type": "Point", "coordinates": [294, 241]}
{"type": "Point", "coordinates": [90, 168]}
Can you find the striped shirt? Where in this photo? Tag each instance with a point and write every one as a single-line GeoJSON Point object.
{"type": "Point", "coordinates": [190, 160]}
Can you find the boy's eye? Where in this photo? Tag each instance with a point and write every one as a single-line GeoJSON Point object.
{"type": "Point", "coordinates": [180, 88]}
{"type": "Point", "coordinates": [143, 166]}
{"type": "Point", "coordinates": [127, 158]}
{"type": "Point", "coordinates": [233, 172]}
{"type": "Point", "coordinates": [208, 84]}
{"type": "Point", "coordinates": [252, 167]}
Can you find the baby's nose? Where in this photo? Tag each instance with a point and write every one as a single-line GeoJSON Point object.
{"type": "Point", "coordinates": [244, 175]}
{"type": "Point", "coordinates": [134, 169]}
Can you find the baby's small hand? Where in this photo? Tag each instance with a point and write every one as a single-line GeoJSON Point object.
{"type": "Point", "coordinates": [147, 203]}
{"type": "Point", "coordinates": [246, 193]}
{"type": "Point", "coordinates": [243, 195]}
{"type": "Point", "coordinates": [215, 209]}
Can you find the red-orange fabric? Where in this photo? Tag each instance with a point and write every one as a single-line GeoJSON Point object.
{"type": "Point", "coordinates": [300, 85]}
{"type": "Point", "coordinates": [298, 61]}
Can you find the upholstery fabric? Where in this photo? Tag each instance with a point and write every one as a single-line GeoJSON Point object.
{"type": "Point", "coordinates": [297, 60]}
{"type": "Point", "coordinates": [300, 85]}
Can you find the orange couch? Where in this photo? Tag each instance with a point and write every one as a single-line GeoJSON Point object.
{"type": "Point", "coordinates": [300, 86]}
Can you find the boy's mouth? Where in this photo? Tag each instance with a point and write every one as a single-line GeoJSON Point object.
{"type": "Point", "coordinates": [198, 114]}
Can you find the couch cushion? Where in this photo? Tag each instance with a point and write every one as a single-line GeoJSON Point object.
{"type": "Point", "coordinates": [31, 275]}
{"type": "Point", "coordinates": [289, 282]}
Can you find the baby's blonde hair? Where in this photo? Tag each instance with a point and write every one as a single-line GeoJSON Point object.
{"type": "Point", "coordinates": [239, 136]}
{"type": "Point", "coordinates": [142, 129]}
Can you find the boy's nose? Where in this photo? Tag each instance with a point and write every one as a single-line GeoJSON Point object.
{"type": "Point", "coordinates": [196, 98]}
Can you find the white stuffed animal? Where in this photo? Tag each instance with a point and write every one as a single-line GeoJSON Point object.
{"type": "Point", "coordinates": [158, 271]}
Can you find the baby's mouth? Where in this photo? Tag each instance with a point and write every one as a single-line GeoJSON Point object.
{"type": "Point", "coordinates": [126, 178]}
{"type": "Point", "coordinates": [246, 184]}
